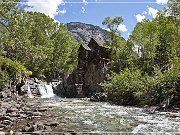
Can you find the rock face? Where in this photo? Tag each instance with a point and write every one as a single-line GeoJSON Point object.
{"type": "Point", "coordinates": [31, 85]}
{"type": "Point", "coordinates": [176, 98]}
{"type": "Point", "coordinates": [36, 88]}
{"type": "Point", "coordinates": [93, 61]}
{"type": "Point", "coordinates": [85, 32]}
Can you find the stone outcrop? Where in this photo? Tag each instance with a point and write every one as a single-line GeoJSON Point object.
{"type": "Point", "coordinates": [14, 108]}
{"type": "Point", "coordinates": [91, 70]}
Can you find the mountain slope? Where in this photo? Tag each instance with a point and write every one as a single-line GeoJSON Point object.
{"type": "Point", "coordinates": [85, 32]}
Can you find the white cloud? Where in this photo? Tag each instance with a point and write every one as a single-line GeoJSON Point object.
{"type": "Point", "coordinates": [140, 17]}
{"type": "Point", "coordinates": [83, 10]}
{"type": "Point", "coordinates": [48, 7]}
{"type": "Point", "coordinates": [153, 12]}
{"type": "Point", "coordinates": [161, 2]}
{"type": "Point", "coordinates": [122, 28]}
{"type": "Point", "coordinates": [62, 11]}
{"type": "Point", "coordinates": [85, 2]}
{"type": "Point", "coordinates": [168, 13]}
{"type": "Point", "coordinates": [106, 29]}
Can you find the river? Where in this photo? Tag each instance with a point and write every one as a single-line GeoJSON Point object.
{"type": "Point", "coordinates": [84, 116]}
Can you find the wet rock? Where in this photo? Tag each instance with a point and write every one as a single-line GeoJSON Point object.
{"type": "Point", "coordinates": [7, 122]}
{"type": "Point", "coordinates": [7, 127]}
{"type": "Point", "coordinates": [36, 117]}
{"type": "Point", "coordinates": [36, 128]}
{"type": "Point", "coordinates": [2, 133]}
{"type": "Point", "coordinates": [37, 133]}
{"type": "Point", "coordinates": [37, 114]}
{"type": "Point", "coordinates": [42, 109]}
{"type": "Point", "coordinates": [31, 129]}
{"type": "Point", "coordinates": [42, 127]}
{"type": "Point", "coordinates": [6, 118]}
{"type": "Point", "coordinates": [20, 83]}
{"type": "Point", "coordinates": [2, 125]}
{"type": "Point", "coordinates": [47, 128]}
{"type": "Point", "coordinates": [7, 99]}
{"type": "Point", "coordinates": [23, 115]}
{"type": "Point", "coordinates": [174, 115]}
{"type": "Point", "coordinates": [12, 115]}
{"type": "Point", "coordinates": [71, 133]}
{"type": "Point", "coordinates": [36, 80]}
{"type": "Point", "coordinates": [149, 110]}
{"type": "Point", "coordinates": [67, 134]}
{"type": "Point", "coordinates": [1, 114]}
{"type": "Point", "coordinates": [6, 104]}
{"type": "Point", "coordinates": [3, 94]}
{"type": "Point", "coordinates": [18, 133]}
{"type": "Point", "coordinates": [11, 110]}
{"type": "Point", "coordinates": [18, 106]}
{"type": "Point", "coordinates": [28, 128]}
{"type": "Point", "coordinates": [98, 97]}
{"type": "Point", "coordinates": [52, 123]}
{"type": "Point", "coordinates": [27, 108]}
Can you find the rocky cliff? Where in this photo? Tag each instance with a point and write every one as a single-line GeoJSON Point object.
{"type": "Point", "coordinates": [85, 32]}
{"type": "Point", "coordinates": [92, 68]}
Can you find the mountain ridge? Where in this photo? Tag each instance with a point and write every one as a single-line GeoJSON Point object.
{"type": "Point", "coordinates": [84, 32]}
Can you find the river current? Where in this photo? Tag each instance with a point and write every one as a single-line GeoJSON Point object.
{"type": "Point", "coordinates": [84, 116]}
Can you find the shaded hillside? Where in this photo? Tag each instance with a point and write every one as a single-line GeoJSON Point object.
{"type": "Point", "coordinates": [85, 32]}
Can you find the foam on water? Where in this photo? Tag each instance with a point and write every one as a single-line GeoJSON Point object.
{"type": "Point", "coordinates": [46, 91]}
{"type": "Point", "coordinates": [79, 115]}
{"type": "Point", "coordinates": [30, 95]}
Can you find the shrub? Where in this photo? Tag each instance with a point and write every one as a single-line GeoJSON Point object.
{"type": "Point", "coordinates": [10, 69]}
{"type": "Point", "coordinates": [132, 87]}
{"type": "Point", "coordinates": [3, 78]}
{"type": "Point", "coordinates": [125, 87]}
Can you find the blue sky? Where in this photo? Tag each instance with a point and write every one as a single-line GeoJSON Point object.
{"type": "Point", "coordinates": [94, 11]}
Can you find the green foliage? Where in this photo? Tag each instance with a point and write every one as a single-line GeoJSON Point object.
{"type": "Point", "coordinates": [34, 41]}
{"type": "Point", "coordinates": [146, 70]}
{"type": "Point", "coordinates": [174, 8]}
{"type": "Point", "coordinates": [167, 83]}
{"type": "Point", "coordinates": [132, 87]}
{"type": "Point", "coordinates": [3, 78]}
{"type": "Point", "coordinates": [166, 49]}
{"type": "Point", "coordinates": [11, 70]}
{"type": "Point", "coordinates": [157, 41]}
{"type": "Point", "coordinates": [112, 23]}
{"type": "Point", "coordinates": [64, 55]}
{"type": "Point", "coordinates": [14, 68]}
{"type": "Point", "coordinates": [122, 52]}
{"type": "Point", "coordinates": [127, 87]}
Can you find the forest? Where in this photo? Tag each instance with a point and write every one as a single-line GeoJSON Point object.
{"type": "Point", "coordinates": [145, 69]}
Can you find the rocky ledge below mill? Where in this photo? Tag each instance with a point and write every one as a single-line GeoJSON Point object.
{"type": "Point", "coordinates": [17, 116]}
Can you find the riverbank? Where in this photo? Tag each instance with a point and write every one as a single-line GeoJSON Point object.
{"type": "Point", "coordinates": [27, 115]}
{"type": "Point", "coordinates": [19, 116]}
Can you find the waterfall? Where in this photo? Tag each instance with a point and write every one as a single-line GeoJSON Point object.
{"type": "Point", "coordinates": [46, 90]}
{"type": "Point", "coordinates": [30, 95]}
{"type": "Point", "coordinates": [26, 89]}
